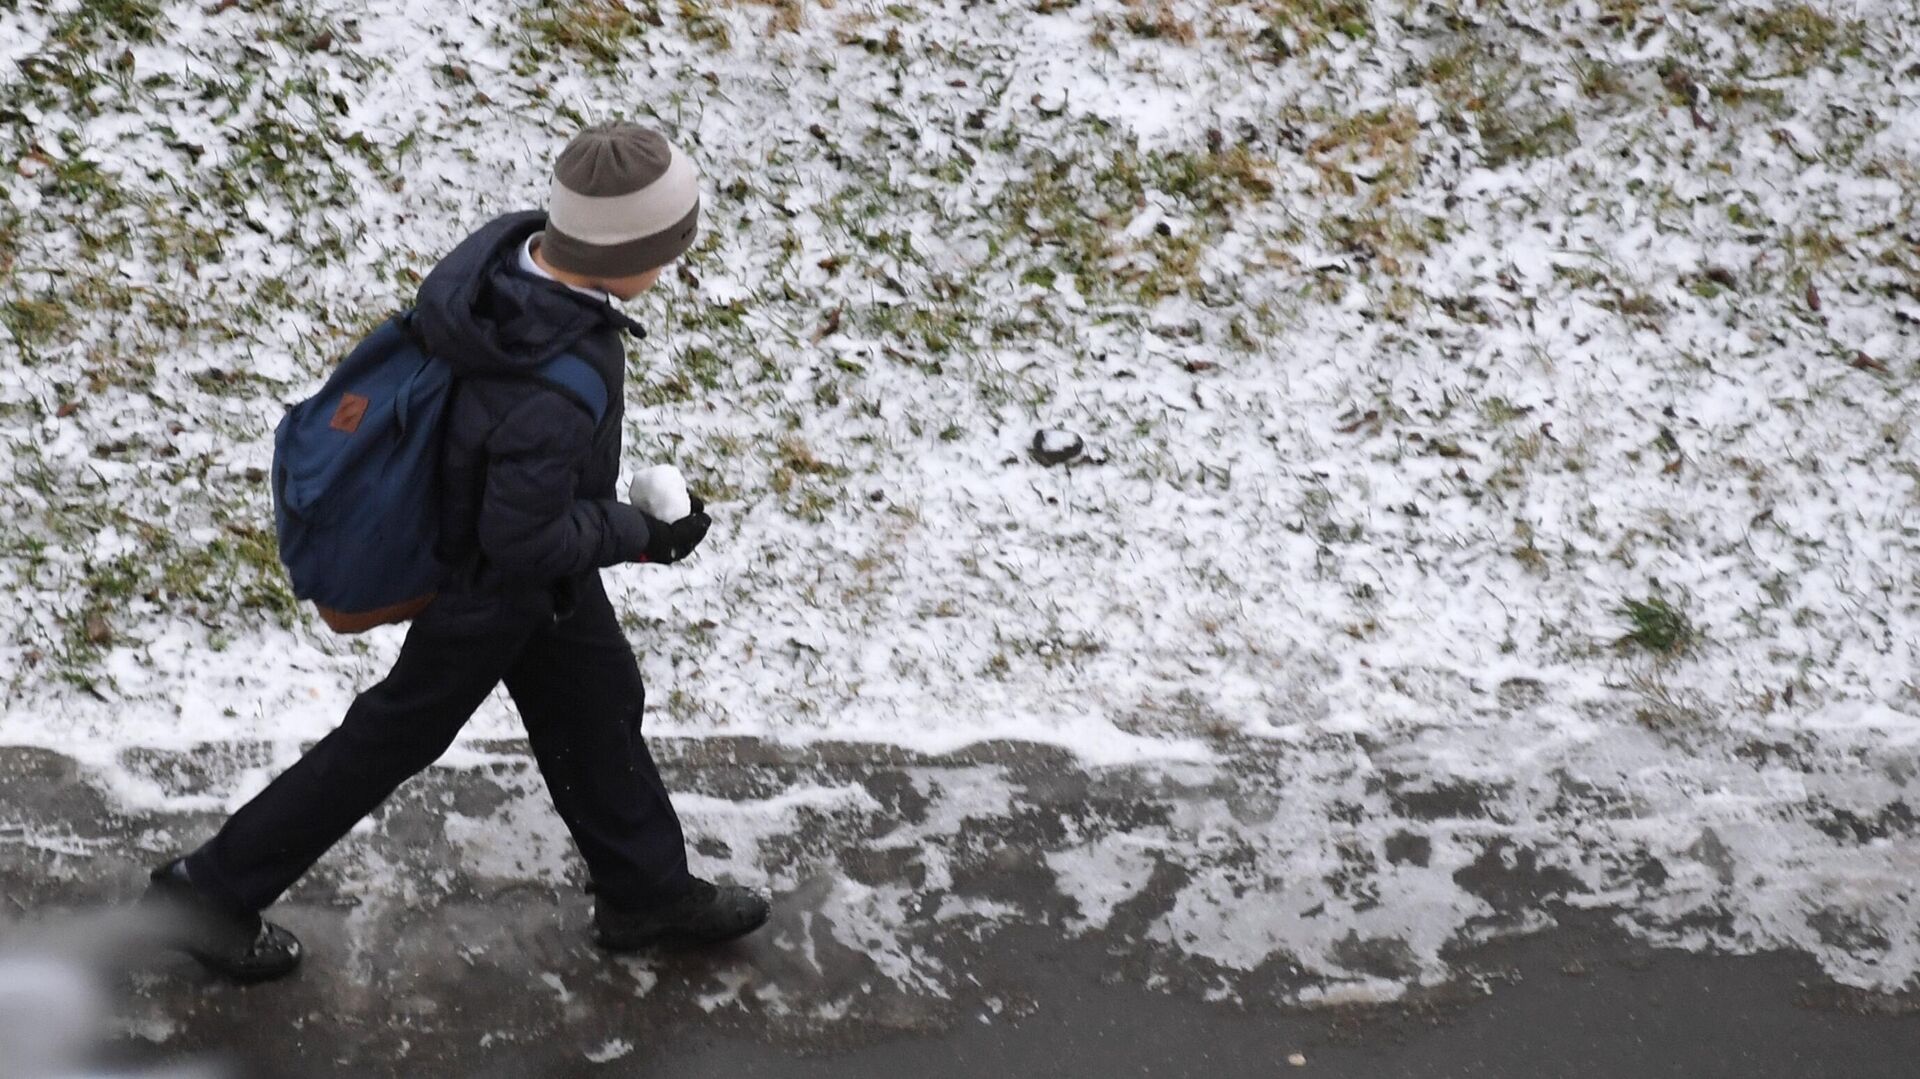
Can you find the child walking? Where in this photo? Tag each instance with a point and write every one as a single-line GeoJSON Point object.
{"type": "Point", "coordinates": [528, 518]}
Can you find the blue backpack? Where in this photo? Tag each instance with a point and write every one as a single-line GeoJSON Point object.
{"type": "Point", "coordinates": [355, 469]}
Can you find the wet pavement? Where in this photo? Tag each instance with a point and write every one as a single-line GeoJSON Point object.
{"type": "Point", "coordinates": [959, 915]}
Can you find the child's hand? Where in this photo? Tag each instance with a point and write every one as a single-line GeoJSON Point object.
{"type": "Point", "coordinates": [670, 541]}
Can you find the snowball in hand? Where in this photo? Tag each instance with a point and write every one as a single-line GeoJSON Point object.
{"type": "Point", "coordinates": [661, 493]}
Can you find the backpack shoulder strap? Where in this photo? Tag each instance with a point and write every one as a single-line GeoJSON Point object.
{"type": "Point", "coordinates": [577, 376]}
{"type": "Point", "coordinates": [566, 371]}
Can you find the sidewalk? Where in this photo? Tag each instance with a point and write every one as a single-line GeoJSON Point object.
{"type": "Point", "coordinates": [922, 929]}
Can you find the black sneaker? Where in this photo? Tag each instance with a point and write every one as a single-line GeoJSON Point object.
{"type": "Point", "coordinates": [241, 947]}
{"type": "Point", "coordinates": [708, 914]}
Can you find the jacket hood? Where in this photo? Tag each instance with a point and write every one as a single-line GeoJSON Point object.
{"type": "Point", "coordinates": [481, 314]}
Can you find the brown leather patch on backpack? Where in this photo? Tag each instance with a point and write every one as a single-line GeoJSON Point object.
{"type": "Point", "coordinates": [347, 416]}
{"type": "Point", "coordinates": [362, 621]}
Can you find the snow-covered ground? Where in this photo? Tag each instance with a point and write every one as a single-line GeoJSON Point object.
{"type": "Point", "coordinates": [1409, 343]}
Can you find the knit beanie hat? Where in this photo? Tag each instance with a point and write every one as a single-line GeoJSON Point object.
{"type": "Point", "coordinates": [624, 201]}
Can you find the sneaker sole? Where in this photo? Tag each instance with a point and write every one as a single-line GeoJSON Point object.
{"type": "Point", "coordinates": [674, 941]}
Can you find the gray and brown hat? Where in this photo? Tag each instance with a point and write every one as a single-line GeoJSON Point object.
{"type": "Point", "coordinates": [624, 201]}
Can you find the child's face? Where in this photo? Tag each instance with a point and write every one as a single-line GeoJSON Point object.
{"type": "Point", "coordinates": [626, 288]}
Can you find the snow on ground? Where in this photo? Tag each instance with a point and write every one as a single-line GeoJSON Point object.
{"type": "Point", "coordinates": [1498, 397]}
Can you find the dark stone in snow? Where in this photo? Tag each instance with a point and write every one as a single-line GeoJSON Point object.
{"type": "Point", "coordinates": [1056, 447]}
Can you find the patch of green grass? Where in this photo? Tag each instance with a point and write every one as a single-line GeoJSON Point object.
{"type": "Point", "coordinates": [596, 29]}
{"type": "Point", "coordinates": [1657, 626]}
{"type": "Point", "coordinates": [695, 369]}
{"type": "Point", "coordinates": [1157, 21]}
{"type": "Point", "coordinates": [790, 15]}
{"type": "Point", "coordinates": [238, 570]}
{"type": "Point", "coordinates": [1735, 94]}
{"type": "Point", "coordinates": [1066, 215]}
{"type": "Point", "coordinates": [34, 322]}
{"type": "Point", "coordinates": [702, 366]}
{"type": "Point", "coordinates": [1527, 552]}
{"type": "Point", "coordinates": [241, 567]}
{"type": "Point", "coordinates": [1664, 709]}
{"type": "Point", "coordinates": [1214, 182]}
{"type": "Point", "coordinates": [1174, 267]}
{"type": "Point", "coordinates": [804, 481]}
{"type": "Point", "coordinates": [83, 66]}
{"type": "Point", "coordinates": [941, 327]}
{"type": "Point", "coordinates": [1511, 104]}
{"type": "Point", "coordinates": [124, 20]}
{"type": "Point", "coordinates": [293, 157]}
{"type": "Point", "coordinates": [1499, 410]}
{"type": "Point", "coordinates": [1294, 27]}
{"type": "Point", "coordinates": [1513, 134]}
{"type": "Point", "coordinates": [1383, 235]}
{"type": "Point", "coordinates": [712, 467]}
{"type": "Point", "coordinates": [701, 24]}
{"type": "Point", "coordinates": [1385, 136]}
{"type": "Point", "coordinates": [86, 184]}
{"type": "Point", "coordinates": [1600, 79]}
{"type": "Point", "coordinates": [231, 382]}
{"type": "Point", "coordinates": [1806, 35]}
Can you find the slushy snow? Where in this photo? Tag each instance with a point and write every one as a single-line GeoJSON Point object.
{"type": "Point", "coordinates": [1416, 342]}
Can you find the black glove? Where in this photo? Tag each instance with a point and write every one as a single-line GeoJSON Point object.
{"type": "Point", "coordinates": [670, 541]}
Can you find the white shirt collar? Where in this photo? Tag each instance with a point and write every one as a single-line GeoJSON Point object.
{"type": "Point", "coordinates": [529, 266]}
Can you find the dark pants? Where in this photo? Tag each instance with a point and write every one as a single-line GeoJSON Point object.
{"type": "Point", "coordinates": [578, 690]}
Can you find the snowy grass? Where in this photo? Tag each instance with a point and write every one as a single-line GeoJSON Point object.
{"type": "Point", "coordinates": [1424, 352]}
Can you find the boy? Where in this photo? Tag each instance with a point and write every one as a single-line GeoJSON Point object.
{"type": "Point", "coordinates": [528, 518]}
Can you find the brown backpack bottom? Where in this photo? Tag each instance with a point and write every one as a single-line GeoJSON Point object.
{"type": "Point", "coordinates": [362, 621]}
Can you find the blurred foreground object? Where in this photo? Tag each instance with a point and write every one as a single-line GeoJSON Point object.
{"type": "Point", "coordinates": [51, 1015]}
{"type": "Point", "coordinates": [54, 1021]}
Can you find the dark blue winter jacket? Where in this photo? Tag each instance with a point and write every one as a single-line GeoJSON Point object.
{"type": "Point", "coordinates": [527, 479]}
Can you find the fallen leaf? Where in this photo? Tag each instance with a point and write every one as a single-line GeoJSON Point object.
{"type": "Point", "coordinates": [1371, 416]}
{"type": "Point", "coordinates": [829, 328]}
{"type": "Point", "coordinates": [1864, 362]}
